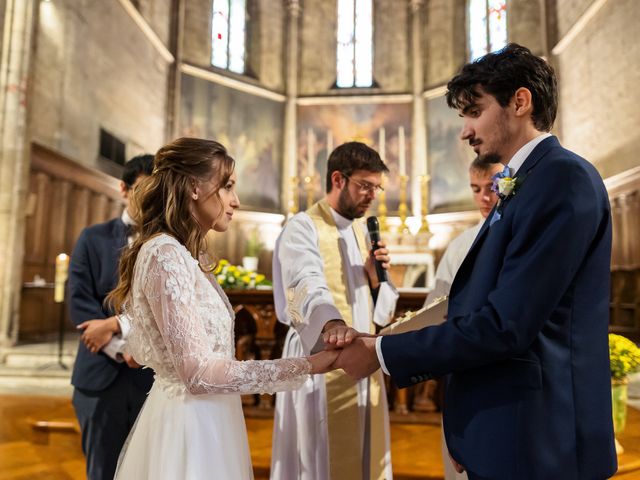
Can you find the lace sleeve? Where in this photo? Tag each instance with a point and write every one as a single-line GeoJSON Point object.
{"type": "Point", "coordinates": [170, 286]}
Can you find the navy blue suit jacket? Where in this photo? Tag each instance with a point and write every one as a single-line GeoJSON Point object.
{"type": "Point", "coordinates": [93, 273]}
{"type": "Point", "coordinates": [525, 345]}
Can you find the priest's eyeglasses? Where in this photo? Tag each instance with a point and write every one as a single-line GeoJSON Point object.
{"type": "Point", "coordinates": [365, 187]}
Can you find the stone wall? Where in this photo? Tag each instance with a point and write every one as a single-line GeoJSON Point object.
{"type": "Point", "coordinates": [93, 67]}
{"type": "Point", "coordinates": [157, 14]}
{"type": "Point", "coordinates": [391, 69]}
{"type": "Point", "coordinates": [264, 47]}
{"type": "Point", "coordinates": [197, 33]}
{"type": "Point", "coordinates": [599, 72]}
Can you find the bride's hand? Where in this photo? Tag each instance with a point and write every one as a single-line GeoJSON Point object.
{"type": "Point", "coordinates": [323, 362]}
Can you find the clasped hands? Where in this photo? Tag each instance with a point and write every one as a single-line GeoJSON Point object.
{"type": "Point", "coordinates": [98, 332]}
{"type": "Point", "coordinates": [346, 348]}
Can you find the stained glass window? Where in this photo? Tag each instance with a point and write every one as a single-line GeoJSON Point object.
{"type": "Point", "coordinates": [228, 34]}
{"type": "Point", "coordinates": [487, 26]}
{"type": "Point", "coordinates": [355, 43]}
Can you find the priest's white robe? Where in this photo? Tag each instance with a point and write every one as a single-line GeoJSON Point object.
{"type": "Point", "coordinates": [300, 449]}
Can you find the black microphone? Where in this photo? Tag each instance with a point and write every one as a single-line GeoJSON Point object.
{"type": "Point", "coordinates": [374, 235]}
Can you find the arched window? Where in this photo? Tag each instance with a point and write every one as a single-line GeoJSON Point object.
{"type": "Point", "coordinates": [487, 26]}
{"type": "Point", "coordinates": [228, 34]}
{"type": "Point", "coordinates": [355, 44]}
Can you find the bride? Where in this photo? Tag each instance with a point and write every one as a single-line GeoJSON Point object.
{"type": "Point", "coordinates": [191, 425]}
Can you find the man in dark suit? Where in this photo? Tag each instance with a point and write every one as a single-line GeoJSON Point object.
{"type": "Point", "coordinates": [525, 345]}
{"type": "Point", "coordinates": [109, 388]}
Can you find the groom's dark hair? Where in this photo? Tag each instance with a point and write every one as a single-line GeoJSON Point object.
{"type": "Point", "coordinates": [503, 72]}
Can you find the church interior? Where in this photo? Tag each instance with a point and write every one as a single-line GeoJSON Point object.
{"type": "Point", "coordinates": [89, 84]}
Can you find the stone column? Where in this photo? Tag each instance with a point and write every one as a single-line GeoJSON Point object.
{"type": "Point", "coordinates": [290, 165]}
{"type": "Point", "coordinates": [19, 22]}
{"type": "Point", "coordinates": [174, 85]}
{"type": "Point", "coordinates": [419, 164]}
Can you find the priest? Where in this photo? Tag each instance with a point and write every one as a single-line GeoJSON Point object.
{"type": "Point", "coordinates": [325, 281]}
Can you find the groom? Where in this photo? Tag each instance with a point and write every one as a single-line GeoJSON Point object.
{"type": "Point", "coordinates": [525, 344]}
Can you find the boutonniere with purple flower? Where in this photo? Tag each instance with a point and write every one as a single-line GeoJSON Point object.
{"type": "Point", "coordinates": [505, 186]}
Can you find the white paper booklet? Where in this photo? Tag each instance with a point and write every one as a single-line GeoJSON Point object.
{"type": "Point", "coordinates": [433, 314]}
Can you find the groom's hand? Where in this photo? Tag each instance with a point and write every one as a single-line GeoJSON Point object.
{"type": "Point", "coordinates": [359, 359]}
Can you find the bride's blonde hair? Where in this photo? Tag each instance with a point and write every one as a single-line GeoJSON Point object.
{"type": "Point", "coordinates": [161, 203]}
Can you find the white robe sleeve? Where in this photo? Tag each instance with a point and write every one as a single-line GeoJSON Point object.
{"type": "Point", "coordinates": [302, 297]}
{"type": "Point", "coordinates": [387, 298]}
{"type": "Point", "coordinates": [385, 304]}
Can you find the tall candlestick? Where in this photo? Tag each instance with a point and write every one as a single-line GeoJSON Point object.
{"type": "Point", "coordinates": [293, 202]}
{"type": "Point", "coordinates": [308, 186]}
{"type": "Point", "coordinates": [381, 143]}
{"type": "Point", "coordinates": [402, 208]}
{"type": "Point", "coordinates": [329, 143]}
{"type": "Point", "coordinates": [62, 272]}
{"type": "Point", "coordinates": [382, 209]}
{"type": "Point", "coordinates": [310, 153]}
{"type": "Point", "coordinates": [402, 167]}
{"type": "Point", "coordinates": [424, 189]}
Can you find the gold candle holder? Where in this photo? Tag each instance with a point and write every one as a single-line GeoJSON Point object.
{"type": "Point", "coordinates": [382, 210]}
{"type": "Point", "coordinates": [308, 186]}
{"type": "Point", "coordinates": [424, 210]}
{"type": "Point", "coordinates": [402, 209]}
{"type": "Point", "coordinates": [293, 200]}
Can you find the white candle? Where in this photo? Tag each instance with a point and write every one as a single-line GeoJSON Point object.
{"type": "Point", "coordinates": [381, 145]}
{"type": "Point", "coordinates": [329, 143]}
{"type": "Point", "coordinates": [402, 167]}
{"type": "Point", "coordinates": [62, 272]}
{"type": "Point", "coordinates": [310, 153]}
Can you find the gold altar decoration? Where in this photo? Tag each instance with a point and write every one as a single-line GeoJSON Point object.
{"type": "Point", "coordinates": [424, 209]}
{"type": "Point", "coordinates": [309, 182]}
{"type": "Point", "coordinates": [402, 209]}
{"type": "Point", "coordinates": [382, 209]}
{"type": "Point", "coordinates": [293, 199]}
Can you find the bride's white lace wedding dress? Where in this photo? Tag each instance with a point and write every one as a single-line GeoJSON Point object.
{"type": "Point", "coordinates": [191, 425]}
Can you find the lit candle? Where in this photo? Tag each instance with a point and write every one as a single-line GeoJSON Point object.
{"type": "Point", "coordinates": [62, 272]}
{"type": "Point", "coordinates": [381, 145]}
{"type": "Point", "coordinates": [402, 167]}
{"type": "Point", "coordinates": [310, 153]}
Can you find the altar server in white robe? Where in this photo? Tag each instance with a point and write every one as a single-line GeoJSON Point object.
{"type": "Point", "coordinates": [325, 280]}
{"type": "Point", "coordinates": [481, 174]}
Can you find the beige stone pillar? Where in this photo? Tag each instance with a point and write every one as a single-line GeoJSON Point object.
{"type": "Point", "coordinates": [419, 164]}
{"type": "Point", "coordinates": [290, 166]}
{"type": "Point", "coordinates": [174, 85]}
{"type": "Point", "coordinates": [14, 157]}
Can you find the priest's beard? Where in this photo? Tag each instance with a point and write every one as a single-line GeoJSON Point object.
{"type": "Point", "coordinates": [349, 208]}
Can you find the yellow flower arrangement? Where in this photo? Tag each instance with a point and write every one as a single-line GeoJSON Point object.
{"type": "Point", "coordinates": [236, 277]}
{"type": "Point", "coordinates": [624, 356]}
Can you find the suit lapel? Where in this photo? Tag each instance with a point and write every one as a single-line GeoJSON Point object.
{"type": "Point", "coordinates": [534, 157]}
{"type": "Point", "coordinates": [120, 232]}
